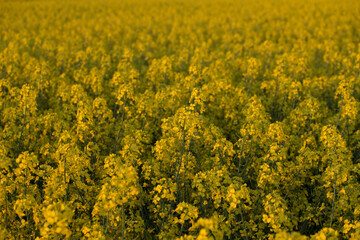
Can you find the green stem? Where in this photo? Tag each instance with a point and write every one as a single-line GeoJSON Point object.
{"type": "Point", "coordinates": [21, 134]}
{"type": "Point", "coordinates": [123, 223]}
{"type": "Point", "coordinates": [66, 185]}
{"type": "Point", "coordinates": [180, 163]}
{"type": "Point", "coordinates": [6, 210]}
{"type": "Point", "coordinates": [333, 203]}
{"type": "Point", "coordinates": [241, 153]}
{"type": "Point", "coordinates": [244, 223]}
{"type": "Point", "coordinates": [119, 131]}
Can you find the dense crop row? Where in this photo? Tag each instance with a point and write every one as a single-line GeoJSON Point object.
{"type": "Point", "coordinates": [180, 119]}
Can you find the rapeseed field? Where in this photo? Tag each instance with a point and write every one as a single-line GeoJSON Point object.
{"type": "Point", "coordinates": [180, 119]}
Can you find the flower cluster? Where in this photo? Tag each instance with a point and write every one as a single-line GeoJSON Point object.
{"type": "Point", "coordinates": [179, 119]}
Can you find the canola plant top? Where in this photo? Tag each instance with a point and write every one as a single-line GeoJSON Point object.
{"type": "Point", "coordinates": [180, 119]}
